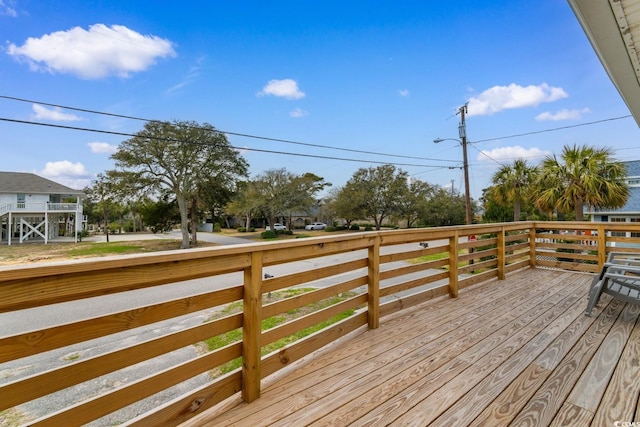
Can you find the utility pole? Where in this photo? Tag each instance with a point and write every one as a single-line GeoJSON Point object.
{"type": "Point", "coordinates": [462, 130]}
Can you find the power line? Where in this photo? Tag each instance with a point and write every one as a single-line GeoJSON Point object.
{"type": "Point", "coordinates": [243, 135]}
{"type": "Point", "coordinates": [554, 129]}
{"type": "Point", "coordinates": [58, 126]}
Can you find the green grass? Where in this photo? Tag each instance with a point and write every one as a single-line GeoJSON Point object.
{"type": "Point", "coordinates": [236, 335]}
{"type": "Point", "coordinates": [106, 248]}
{"type": "Point", "coordinates": [432, 257]}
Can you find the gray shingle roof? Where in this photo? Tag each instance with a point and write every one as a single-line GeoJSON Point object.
{"type": "Point", "coordinates": [21, 182]}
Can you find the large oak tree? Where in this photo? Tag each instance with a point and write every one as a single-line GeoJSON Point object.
{"type": "Point", "coordinates": [179, 156]}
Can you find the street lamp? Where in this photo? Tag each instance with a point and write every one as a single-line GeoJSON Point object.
{"type": "Point", "coordinates": [463, 142]}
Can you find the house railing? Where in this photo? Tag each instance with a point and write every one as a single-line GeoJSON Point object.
{"type": "Point", "coordinates": [378, 273]}
{"type": "Point", "coordinates": [39, 207]}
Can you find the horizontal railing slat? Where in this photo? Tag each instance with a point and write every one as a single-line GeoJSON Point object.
{"type": "Point", "coordinates": [57, 379]}
{"type": "Point", "coordinates": [108, 402]}
{"type": "Point", "coordinates": [35, 342]}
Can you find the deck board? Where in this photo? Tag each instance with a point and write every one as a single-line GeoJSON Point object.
{"type": "Point", "coordinates": [512, 352]}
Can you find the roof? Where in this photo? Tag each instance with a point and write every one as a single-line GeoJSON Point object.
{"type": "Point", "coordinates": [613, 28]}
{"type": "Point", "coordinates": [21, 182]}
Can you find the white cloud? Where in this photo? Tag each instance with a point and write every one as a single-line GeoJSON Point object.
{"type": "Point", "coordinates": [404, 92]}
{"type": "Point", "coordinates": [8, 8]}
{"type": "Point", "coordinates": [286, 88]}
{"type": "Point", "coordinates": [100, 52]}
{"type": "Point", "coordinates": [298, 112]}
{"type": "Point", "coordinates": [55, 114]}
{"type": "Point", "coordinates": [500, 98]}
{"type": "Point", "coordinates": [563, 114]}
{"type": "Point", "coordinates": [509, 154]}
{"type": "Point", "coordinates": [73, 175]}
{"type": "Point", "coordinates": [102, 148]}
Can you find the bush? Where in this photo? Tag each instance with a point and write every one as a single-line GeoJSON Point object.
{"type": "Point", "coordinates": [269, 234]}
{"type": "Point", "coordinates": [354, 227]}
{"type": "Point", "coordinates": [368, 227]}
{"type": "Point", "coordinates": [241, 230]}
{"type": "Point", "coordinates": [217, 228]}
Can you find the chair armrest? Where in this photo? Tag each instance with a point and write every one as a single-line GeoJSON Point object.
{"type": "Point", "coordinates": [623, 258]}
{"type": "Point", "coordinates": [625, 272]}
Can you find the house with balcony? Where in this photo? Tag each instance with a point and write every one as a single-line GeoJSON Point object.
{"type": "Point", "coordinates": [33, 208]}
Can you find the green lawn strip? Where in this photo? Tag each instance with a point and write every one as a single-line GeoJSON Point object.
{"type": "Point", "coordinates": [105, 248]}
{"type": "Point", "coordinates": [236, 335]}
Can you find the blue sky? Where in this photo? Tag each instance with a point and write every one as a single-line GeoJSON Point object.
{"type": "Point", "coordinates": [380, 77]}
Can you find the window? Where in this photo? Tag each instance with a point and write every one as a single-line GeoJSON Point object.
{"type": "Point", "coordinates": [635, 234]}
{"type": "Point", "coordinates": [618, 233]}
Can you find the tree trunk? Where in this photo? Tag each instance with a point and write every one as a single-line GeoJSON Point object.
{"type": "Point", "coordinates": [516, 211]}
{"type": "Point", "coordinates": [248, 224]}
{"type": "Point", "coordinates": [106, 224]}
{"type": "Point", "coordinates": [184, 220]}
{"type": "Point", "coordinates": [578, 210]}
{"type": "Point", "coordinates": [194, 224]}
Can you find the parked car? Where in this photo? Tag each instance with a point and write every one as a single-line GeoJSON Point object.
{"type": "Point", "coordinates": [277, 226]}
{"type": "Point", "coordinates": [316, 226]}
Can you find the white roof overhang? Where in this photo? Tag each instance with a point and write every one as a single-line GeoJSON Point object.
{"type": "Point", "coordinates": [613, 28]}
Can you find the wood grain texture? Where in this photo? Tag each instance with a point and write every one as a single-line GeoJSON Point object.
{"type": "Point", "coordinates": [502, 353]}
{"type": "Point", "coordinates": [517, 350]}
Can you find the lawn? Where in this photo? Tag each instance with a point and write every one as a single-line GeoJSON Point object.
{"type": "Point", "coordinates": [27, 253]}
{"type": "Point", "coordinates": [236, 335]}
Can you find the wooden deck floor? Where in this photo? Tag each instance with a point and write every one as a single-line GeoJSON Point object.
{"type": "Point", "coordinates": [514, 352]}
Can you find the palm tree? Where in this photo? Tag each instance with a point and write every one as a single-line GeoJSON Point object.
{"type": "Point", "coordinates": [582, 176]}
{"type": "Point", "coordinates": [512, 184]}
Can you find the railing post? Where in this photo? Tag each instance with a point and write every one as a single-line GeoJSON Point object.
{"type": "Point", "coordinates": [532, 246]}
{"type": "Point", "coordinates": [373, 301]}
{"type": "Point", "coordinates": [453, 265]}
{"type": "Point", "coordinates": [602, 245]}
{"type": "Point", "coordinates": [502, 254]}
{"type": "Point", "coordinates": [252, 328]}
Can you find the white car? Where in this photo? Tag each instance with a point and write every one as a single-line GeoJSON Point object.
{"type": "Point", "coordinates": [316, 226]}
{"type": "Point", "coordinates": [277, 226]}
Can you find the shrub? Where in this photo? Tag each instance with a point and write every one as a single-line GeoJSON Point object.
{"type": "Point", "coordinates": [217, 228]}
{"type": "Point", "coordinates": [368, 227]}
{"type": "Point", "coordinates": [269, 234]}
{"type": "Point", "coordinates": [241, 230]}
{"type": "Point", "coordinates": [354, 227]}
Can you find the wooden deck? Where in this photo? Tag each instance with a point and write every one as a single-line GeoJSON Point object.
{"type": "Point", "coordinates": [513, 352]}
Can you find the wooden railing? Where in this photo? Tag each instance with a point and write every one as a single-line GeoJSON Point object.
{"type": "Point", "coordinates": [385, 272]}
{"type": "Point", "coordinates": [40, 207]}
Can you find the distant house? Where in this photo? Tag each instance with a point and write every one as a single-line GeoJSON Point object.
{"type": "Point", "coordinates": [630, 212]}
{"type": "Point", "coordinates": [35, 208]}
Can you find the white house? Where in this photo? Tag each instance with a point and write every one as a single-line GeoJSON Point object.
{"type": "Point", "coordinates": [35, 208]}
